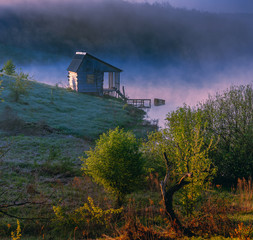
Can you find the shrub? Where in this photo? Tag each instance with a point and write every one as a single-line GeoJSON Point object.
{"type": "Point", "coordinates": [89, 219]}
{"type": "Point", "coordinates": [116, 163]}
{"type": "Point", "coordinates": [9, 67]}
{"type": "Point", "coordinates": [20, 86]}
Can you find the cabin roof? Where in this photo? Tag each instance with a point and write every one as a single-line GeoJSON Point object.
{"type": "Point", "coordinates": [78, 59]}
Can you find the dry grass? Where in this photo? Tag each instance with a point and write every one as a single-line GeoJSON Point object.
{"type": "Point", "coordinates": [245, 194]}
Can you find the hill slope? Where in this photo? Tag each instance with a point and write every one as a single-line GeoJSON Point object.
{"type": "Point", "coordinates": [65, 111]}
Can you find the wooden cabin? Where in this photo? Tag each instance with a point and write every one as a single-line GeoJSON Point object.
{"type": "Point", "coordinates": [86, 74]}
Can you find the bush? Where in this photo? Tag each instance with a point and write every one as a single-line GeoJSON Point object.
{"type": "Point", "coordinates": [89, 220]}
{"type": "Point", "coordinates": [9, 67]}
{"type": "Point", "coordinates": [20, 86]}
{"type": "Point", "coordinates": [116, 163]}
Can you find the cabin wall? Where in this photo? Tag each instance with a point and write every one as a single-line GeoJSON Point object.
{"type": "Point", "coordinates": [73, 82]}
{"type": "Point", "coordinates": [90, 82]}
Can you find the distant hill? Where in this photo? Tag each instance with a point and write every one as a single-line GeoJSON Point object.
{"type": "Point", "coordinates": [155, 33]}
{"type": "Point", "coordinates": [51, 108]}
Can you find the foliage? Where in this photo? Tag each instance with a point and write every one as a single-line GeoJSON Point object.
{"type": "Point", "coordinates": [20, 86]}
{"type": "Point", "coordinates": [9, 67]}
{"type": "Point", "coordinates": [230, 116]}
{"type": "Point", "coordinates": [115, 162]}
{"type": "Point", "coordinates": [213, 216]}
{"type": "Point", "coordinates": [243, 232]}
{"type": "Point", "coordinates": [135, 231]}
{"type": "Point", "coordinates": [89, 216]}
{"type": "Point", "coordinates": [16, 235]}
{"type": "Point", "coordinates": [1, 89]}
{"type": "Point", "coordinates": [187, 146]}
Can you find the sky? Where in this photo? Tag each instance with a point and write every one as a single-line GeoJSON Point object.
{"type": "Point", "coordinates": [228, 6]}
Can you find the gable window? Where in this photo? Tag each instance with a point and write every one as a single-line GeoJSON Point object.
{"type": "Point", "coordinates": [90, 78]}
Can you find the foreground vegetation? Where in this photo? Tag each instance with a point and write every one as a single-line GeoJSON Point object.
{"type": "Point", "coordinates": [58, 183]}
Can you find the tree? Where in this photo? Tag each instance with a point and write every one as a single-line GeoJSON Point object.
{"type": "Point", "coordinates": [20, 86]}
{"type": "Point", "coordinates": [116, 163]}
{"type": "Point", "coordinates": [229, 116]}
{"type": "Point", "coordinates": [187, 145]}
{"type": "Point", "coordinates": [9, 67]}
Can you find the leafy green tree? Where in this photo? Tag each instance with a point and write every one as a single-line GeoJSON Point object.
{"type": "Point", "coordinates": [116, 163]}
{"type": "Point", "coordinates": [230, 117]}
{"type": "Point", "coordinates": [9, 67]}
{"type": "Point", "coordinates": [20, 86]}
{"type": "Point", "coordinates": [187, 146]}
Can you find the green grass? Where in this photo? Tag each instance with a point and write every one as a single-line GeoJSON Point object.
{"type": "Point", "coordinates": [69, 112]}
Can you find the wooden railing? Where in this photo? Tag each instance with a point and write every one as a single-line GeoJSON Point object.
{"type": "Point", "coordinates": [140, 103]}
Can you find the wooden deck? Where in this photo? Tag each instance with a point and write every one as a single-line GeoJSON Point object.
{"type": "Point", "coordinates": [140, 103]}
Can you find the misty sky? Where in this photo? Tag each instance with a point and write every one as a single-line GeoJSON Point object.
{"type": "Point", "coordinates": [229, 6]}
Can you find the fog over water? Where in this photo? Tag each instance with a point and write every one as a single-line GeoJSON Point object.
{"type": "Point", "coordinates": [175, 54]}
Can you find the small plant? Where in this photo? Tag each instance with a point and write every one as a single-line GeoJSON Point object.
{"type": "Point", "coordinates": [243, 232]}
{"type": "Point", "coordinates": [17, 234]}
{"type": "Point", "coordinates": [87, 218]}
{"type": "Point", "coordinates": [9, 67]}
{"type": "Point", "coordinates": [20, 86]}
{"type": "Point", "coordinates": [52, 96]}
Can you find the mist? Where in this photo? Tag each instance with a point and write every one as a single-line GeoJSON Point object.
{"type": "Point", "coordinates": [179, 55]}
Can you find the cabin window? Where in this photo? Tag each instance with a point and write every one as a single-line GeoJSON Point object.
{"type": "Point", "coordinates": [90, 78]}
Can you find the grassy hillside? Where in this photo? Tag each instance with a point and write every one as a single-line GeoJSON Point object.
{"type": "Point", "coordinates": [66, 111]}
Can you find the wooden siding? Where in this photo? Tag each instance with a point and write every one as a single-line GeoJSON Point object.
{"type": "Point", "coordinates": [73, 82]}
{"type": "Point", "coordinates": [86, 86]}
